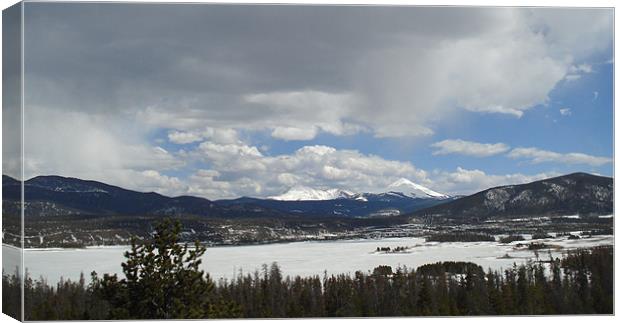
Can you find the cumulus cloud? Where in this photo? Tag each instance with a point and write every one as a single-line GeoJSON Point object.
{"type": "Point", "coordinates": [240, 173]}
{"type": "Point", "coordinates": [468, 148]}
{"type": "Point", "coordinates": [180, 137]}
{"type": "Point", "coordinates": [576, 71]}
{"type": "Point", "coordinates": [565, 112]}
{"type": "Point", "coordinates": [299, 115]}
{"type": "Point", "coordinates": [153, 181]}
{"type": "Point", "coordinates": [220, 135]}
{"type": "Point", "coordinates": [468, 181]}
{"type": "Point", "coordinates": [243, 170]}
{"type": "Point", "coordinates": [293, 133]}
{"type": "Point", "coordinates": [204, 183]}
{"type": "Point", "coordinates": [582, 68]}
{"type": "Point", "coordinates": [248, 172]}
{"type": "Point", "coordinates": [536, 155]}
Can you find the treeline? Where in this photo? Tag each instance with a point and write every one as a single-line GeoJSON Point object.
{"type": "Point", "coordinates": [460, 237]}
{"type": "Point", "coordinates": [512, 238]}
{"type": "Point", "coordinates": [392, 250]}
{"type": "Point", "coordinates": [580, 283]}
{"type": "Point", "coordinates": [162, 280]}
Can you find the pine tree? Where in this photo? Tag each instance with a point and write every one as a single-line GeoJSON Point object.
{"type": "Point", "coordinates": [162, 279]}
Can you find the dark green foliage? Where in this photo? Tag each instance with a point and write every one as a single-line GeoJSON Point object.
{"type": "Point", "coordinates": [580, 283]}
{"type": "Point", "coordinates": [537, 246]}
{"type": "Point", "coordinates": [450, 267]}
{"type": "Point", "coordinates": [398, 249]}
{"type": "Point", "coordinates": [512, 238]}
{"type": "Point", "coordinates": [460, 237]}
{"type": "Point", "coordinates": [11, 294]}
{"type": "Point", "coordinates": [541, 235]}
{"type": "Point", "coordinates": [382, 271]}
{"type": "Point", "coordinates": [608, 231]}
{"type": "Point", "coordinates": [66, 301]}
{"type": "Point", "coordinates": [162, 279]}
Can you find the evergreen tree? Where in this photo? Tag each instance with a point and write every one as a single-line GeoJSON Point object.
{"type": "Point", "coordinates": [162, 279]}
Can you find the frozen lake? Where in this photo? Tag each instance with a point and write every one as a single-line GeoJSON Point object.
{"type": "Point", "coordinates": [298, 258]}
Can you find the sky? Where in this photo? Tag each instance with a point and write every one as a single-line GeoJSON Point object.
{"type": "Point", "coordinates": [222, 101]}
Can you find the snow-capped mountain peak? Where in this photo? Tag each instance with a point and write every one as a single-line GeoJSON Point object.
{"type": "Point", "coordinates": [410, 188]}
{"type": "Point", "coordinates": [402, 188]}
{"type": "Point", "coordinates": [302, 193]}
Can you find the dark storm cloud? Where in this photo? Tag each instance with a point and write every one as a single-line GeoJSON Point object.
{"type": "Point", "coordinates": [11, 92]}
{"type": "Point", "coordinates": [122, 55]}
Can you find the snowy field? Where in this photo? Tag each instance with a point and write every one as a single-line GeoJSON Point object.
{"type": "Point", "coordinates": [298, 258]}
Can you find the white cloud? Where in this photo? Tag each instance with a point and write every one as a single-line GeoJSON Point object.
{"type": "Point", "coordinates": [299, 115]}
{"type": "Point", "coordinates": [205, 183]}
{"type": "Point", "coordinates": [248, 172]}
{"type": "Point", "coordinates": [219, 135]}
{"type": "Point", "coordinates": [582, 68]}
{"type": "Point", "coordinates": [292, 133]}
{"type": "Point", "coordinates": [91, 146]}
{"type": "Point", "coordinates": [220, 152]}
{"type": "Point", "coordinates": [88, 146]}
{"type": "Point", "coordinates": [536, 155]}
{"type": "Point", "coordinates": [469, 148]}
{"type": "Point", "coordinates": [288, 179]}
{"type": "Point", "coordinates": [327, 167]}
{"type": "Point", "coordinates": [578, 33]}
{"type": "Point", "coordinates": [565, 112]}
{"type": "Point", "coordinates": [499, 76]}
{"type": "Point", "coordinates": [576, 71]}
{"type": "Point", "coordinates": [153, 181]}
{"type": "Point", "coordinates": [180, 137]}
{"type": "Point", "coordinates": [469, 181]}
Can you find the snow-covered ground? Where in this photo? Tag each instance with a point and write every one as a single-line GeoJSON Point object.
{"type": "Point", "coordinates": [299, 258]}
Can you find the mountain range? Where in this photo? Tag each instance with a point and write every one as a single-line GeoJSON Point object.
{"type": "Point", "coordinates": [401, 197]}
{"type": "Point", "coordinates": [402, 186]}
{"type": "Point", "coordinates": [56, 195]}
{"type": "Point", "coordinates": [577, 193]}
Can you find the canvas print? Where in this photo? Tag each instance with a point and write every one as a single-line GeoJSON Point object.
{"type": "Point", "coordinates": [195, 161]}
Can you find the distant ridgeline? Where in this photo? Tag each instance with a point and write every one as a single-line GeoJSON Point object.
{"type": "Point", "coordinates": [577, 193]}
{"type": "Point", "coordinates": [70, 212]}
{"type": "Point", "coordinates": [56, 195]}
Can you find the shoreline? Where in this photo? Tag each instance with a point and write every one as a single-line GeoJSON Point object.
{"type": "Point", "coordinates": [217, 246]}
{"type": "Point", "coordinates": [284, 242]}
